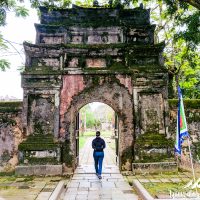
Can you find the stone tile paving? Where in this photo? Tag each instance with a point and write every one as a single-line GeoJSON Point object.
{"type": "Point", "coordinates": [27, 188]}
{"type": "Point", "coordinates": [85, 185]}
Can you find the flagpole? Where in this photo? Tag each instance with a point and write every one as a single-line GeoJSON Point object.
{"type": "Point", "coordinates": [191, 159]}
{"type": "Point", "coordinates": [182, 130]}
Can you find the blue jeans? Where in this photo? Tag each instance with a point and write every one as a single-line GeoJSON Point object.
{"type": "Point", "coordinates": [98, 161]}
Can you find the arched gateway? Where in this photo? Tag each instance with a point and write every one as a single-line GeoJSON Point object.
{"type": "Point", "coordinates": [83, 55]}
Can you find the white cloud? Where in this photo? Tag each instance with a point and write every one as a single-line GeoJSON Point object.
{"type": "Point", "coordinates": [10, 84]}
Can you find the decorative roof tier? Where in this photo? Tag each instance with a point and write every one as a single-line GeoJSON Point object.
{"type": "Point", "coordinates": [94, 16]}
{"type": "Point", "coordinates": [84, 38]}
{"type": "Point", "coordinates": [79, 25]}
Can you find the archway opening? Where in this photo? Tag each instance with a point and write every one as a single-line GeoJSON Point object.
{"type": "Point", "coordinates": [94, 117]}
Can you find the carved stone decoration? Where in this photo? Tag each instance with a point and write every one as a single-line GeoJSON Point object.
{"type": "Point", "coordinates": [47, 39]}
{"type": "Point", "coordinates": [151, 113]}
{"type": "Point", "coordinates": [41, 114]}
{"type": "Point", "coordinates": [95, 63]}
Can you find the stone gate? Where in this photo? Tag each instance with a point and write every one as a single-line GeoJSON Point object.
{"type": "Point", "coordinates": [85, 55]}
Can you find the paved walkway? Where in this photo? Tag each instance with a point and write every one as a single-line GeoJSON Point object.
{"type": "Point", "coordinates": [27, 188]}
{"type": "Point", "coordinates": [85, 185]}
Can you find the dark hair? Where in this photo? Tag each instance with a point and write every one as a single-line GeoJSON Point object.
{"type": "Point", "coordinates": [98, 133]}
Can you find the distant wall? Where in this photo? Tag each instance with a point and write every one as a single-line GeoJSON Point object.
{"type": "Point", "coordinates": [192, 112]}
{"type": "Point", "coordinates": [10, 131]}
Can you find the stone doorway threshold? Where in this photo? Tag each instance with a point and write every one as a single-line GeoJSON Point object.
{"type": "Point", "coordinates": [89, 169]}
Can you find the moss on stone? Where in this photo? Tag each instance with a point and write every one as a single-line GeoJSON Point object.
{"type": "Point", "coordinates": [152, 147]}
{"type": "Point", "coordinates": [118, 66]}
{"type": "Point", "coordinates": [43, 161]}
{"type": "Point", "coordinates": [188, 103]}
{"type": "Point", "coordinates": [8, 121]}
{"type": "Point", "coordinates": [196, 150]}
{"type": "Point", "coordinates": [41, 72]}
{"type": "Point", "coordinates": [153, 140]}
{"type": "Point", "coordinates": [40, 69]}
{"type": "Point", "coordinates": [38, 127]}
{"type": "Point", "coordinates": [12, 106]}
{"type": "Point", "coordinates": [122, 46]}
{"type": "Point", "coordinates": [127, 155]}
{"type": "Point", "coordinates": [192, 116]}
{"type": "Point", "coordinates": [38, 142]}
{"type": "Point", "coordinates": [66, 156]}
{"type": "Point", "coordinates": [96, 80]}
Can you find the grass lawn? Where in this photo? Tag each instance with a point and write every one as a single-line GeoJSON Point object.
{"type": "Point", "coordinates": [93, 134]}
{"type": "Point", "coordinates": [163, 188]}
{"type": "Point", "coordinates": [82, 141]}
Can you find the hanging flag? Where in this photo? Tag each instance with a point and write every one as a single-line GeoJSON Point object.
{"type": "Point", "coordinates": [181, 131]}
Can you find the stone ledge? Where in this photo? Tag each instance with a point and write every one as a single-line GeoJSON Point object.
{"type": "Point", "coordinates": [57, 191]}
{"type": "Point", "coordinates": [147, 196]}
{"type": "Point", "coordinates": [38, 170]}
{"type": "Point", "coordinates": [154, 167]}
{"type": "Point", "coordinates": [142, 191]}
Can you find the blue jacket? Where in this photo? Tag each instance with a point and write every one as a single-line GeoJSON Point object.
{"type": "Point", "coordinates": [98, 144]}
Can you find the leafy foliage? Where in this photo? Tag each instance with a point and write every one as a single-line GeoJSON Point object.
{"type": "Point", "coordinates": [178, 23]}
{"type": "Point", "coordinates": [94, 118]}
{"type": "Point", "coordinates": [11, 6]}
{"type": "Point", "coordinates": [50, 4]}
{"type": "Point", "coordinates": [21, 11]}
{"type": "Point", "coordinates": [4, 64]}
{"type": "Point", "coordinates": [88, 119]}
{"type": "Point", "coordinates": [7, 6]}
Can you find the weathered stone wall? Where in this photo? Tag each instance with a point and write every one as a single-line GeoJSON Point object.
{"type": "Point", "coordinates": [83, 55]}
{"type": "Point", "coordinates": [151, 146]}
{"type": "Point", "coordinates": [41, 114]}
{"type": "Point", "coordinates": [117, 94]}
{"type": "Point", "coordinates": [95, 26]}
{"type": "Point", "coordinates": [11, 133]}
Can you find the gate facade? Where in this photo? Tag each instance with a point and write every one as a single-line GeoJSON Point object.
{"type": "Point", "coordinates": [85, 55]}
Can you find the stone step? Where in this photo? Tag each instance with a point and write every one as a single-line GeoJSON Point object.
{"type": "Point", "coordinates": [38, 170]}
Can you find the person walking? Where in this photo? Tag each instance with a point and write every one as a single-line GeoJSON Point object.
{"type": "Point", "coordinates": [98, 144]}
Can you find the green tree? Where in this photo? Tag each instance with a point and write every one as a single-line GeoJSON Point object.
{"type": "Point", "coordinates": [19, 9]}
{"type": "Point", "coordinates": [178, 24]}
{"type": "Point", "coordinates": [7, 6]}
{"type": "Point", "coordinates": [50, 3]}
{"type": "Point", "coordinates": [88, 119]}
